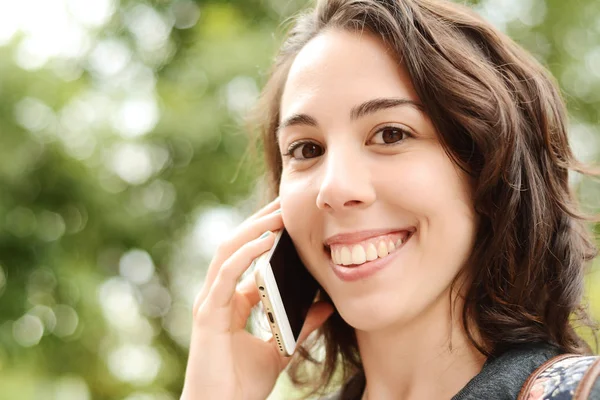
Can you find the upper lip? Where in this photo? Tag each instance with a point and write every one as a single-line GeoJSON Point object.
{"type": "Point", "coordinates": [359, 236]}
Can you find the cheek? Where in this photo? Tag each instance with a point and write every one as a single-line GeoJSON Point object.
{"type": "Point", "coordinates": [295, 194]}
{"type": "Point", "coordinates": [421, 187]}
{"type": "Point", "coordinates": [430, 181]}
{"type": "Point", "coordinates": [438, 194]}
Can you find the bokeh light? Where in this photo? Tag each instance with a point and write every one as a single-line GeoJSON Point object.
{"type": "Point", "coordinates": [123, 168]}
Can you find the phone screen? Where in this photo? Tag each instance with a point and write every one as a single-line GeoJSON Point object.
{"type": "Point", "coordinates": [296, 285]}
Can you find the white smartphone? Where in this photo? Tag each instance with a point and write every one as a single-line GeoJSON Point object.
{"type": "Point", "coordinates": [287, 290]}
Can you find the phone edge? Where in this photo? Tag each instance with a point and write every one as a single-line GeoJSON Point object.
{"type": "Point", "coordinates": [261, 279]}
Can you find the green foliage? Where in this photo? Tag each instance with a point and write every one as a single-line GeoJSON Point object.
{"type": "Point", "coordinates": [120, 137]}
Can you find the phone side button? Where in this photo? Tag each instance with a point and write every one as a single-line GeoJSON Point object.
{"type": "Point", "coordinates": [271, 318]}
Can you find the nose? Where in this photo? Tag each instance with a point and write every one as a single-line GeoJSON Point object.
{"type": "Point", "coordinates": [346, 182]}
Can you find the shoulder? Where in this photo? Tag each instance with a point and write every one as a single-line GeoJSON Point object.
{"type": "Point", "coordinates": [502, 377]}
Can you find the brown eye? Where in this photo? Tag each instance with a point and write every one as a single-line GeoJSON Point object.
{"type": "Point", "coordinates": [305, 150]}
{"type": "Point", "coordinates": [390, 135]}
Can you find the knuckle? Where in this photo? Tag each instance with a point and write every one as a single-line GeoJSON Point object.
{"type": "Point", "coordinates": [201, 314]}
{"type": "Point", "coordinates": [227, 272]}
{"type": "Point", "coordinates": [224, 248]}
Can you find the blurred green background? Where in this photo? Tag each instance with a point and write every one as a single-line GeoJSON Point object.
{"type": "Point", "coordinates": [123, 164]}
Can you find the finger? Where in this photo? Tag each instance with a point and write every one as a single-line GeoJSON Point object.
{"type": "Point", "coordinates": [271, 222]}
{"type": "Point", "coordinates": [224, 285]}
{"type": "Point", "coordinates": [248, 290]}
{"type": "Point", "coordinates": [246, 297]}
{"type": "Point", "coordinates": [217, 264]}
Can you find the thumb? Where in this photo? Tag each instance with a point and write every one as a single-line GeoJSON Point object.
{"type": "Point", "coordinates": [318, 313]}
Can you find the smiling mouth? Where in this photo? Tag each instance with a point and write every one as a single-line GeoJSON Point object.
{"type": "Point", "coordinates": [355, 255]}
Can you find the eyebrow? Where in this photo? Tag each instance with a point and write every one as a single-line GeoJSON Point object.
{"type": "Point", "coordinates": [359, 111]}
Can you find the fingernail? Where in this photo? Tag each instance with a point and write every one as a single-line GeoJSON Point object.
{"type": "Point", "coordinates": [264, 235]}
{"type": "Point", "coordinates": [278, 211]}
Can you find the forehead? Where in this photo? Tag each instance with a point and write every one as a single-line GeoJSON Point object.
{"type": "Point", "coordinates": [341, 69]}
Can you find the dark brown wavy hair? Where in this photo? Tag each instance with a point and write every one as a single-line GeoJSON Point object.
{"type": "Point", "coordinates": [500, 117]}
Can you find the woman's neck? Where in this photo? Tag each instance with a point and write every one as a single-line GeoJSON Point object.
{"type": "Point", "coordinates": [425, 358]}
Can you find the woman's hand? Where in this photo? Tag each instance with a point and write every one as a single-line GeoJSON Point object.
{"type": "Point", "coordinates": [225, 361]}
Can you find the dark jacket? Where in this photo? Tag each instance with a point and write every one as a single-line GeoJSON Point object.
{"type": "Point", "coordinates": [501, 378]}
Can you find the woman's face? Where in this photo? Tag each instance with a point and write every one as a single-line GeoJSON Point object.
{"type": "Point", "coordinates": [365, 162]}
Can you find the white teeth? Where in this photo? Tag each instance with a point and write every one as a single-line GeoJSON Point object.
{"type": "Point", "coordinates": [338, 256]}
{"type": "Point", "coordinates": [371, 252]}
{"type": "Point", "coordinates": [358, 254]}
{"type": "Point", "coordinates": [391, 246]}
{"type": "Point", "coordinates": [345, 256]}
{"type": "Point", "coordinates": [382, 250]}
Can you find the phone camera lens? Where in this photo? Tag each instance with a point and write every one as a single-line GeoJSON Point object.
{"type": "Point", "coordinates": [261, 288]}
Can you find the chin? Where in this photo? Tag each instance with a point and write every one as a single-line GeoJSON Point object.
{"type": "Point", "coordinates": [373, 315]}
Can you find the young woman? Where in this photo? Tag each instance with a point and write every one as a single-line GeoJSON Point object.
{"type": "Point", "coordinates": [414, 129]}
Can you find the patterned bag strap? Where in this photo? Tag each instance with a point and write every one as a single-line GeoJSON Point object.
{"type": "Point", "coordinates": [587, 382]}
{"type": "Point", "coordinates": [565, 376]}
{"type": "Point", "coordinates": [528, 385]}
